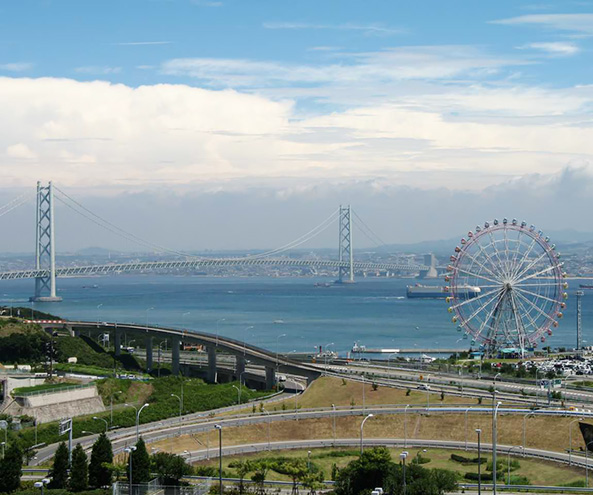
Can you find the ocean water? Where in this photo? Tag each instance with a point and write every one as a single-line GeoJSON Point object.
{"type": "Point", "coordinates": [288, 314]}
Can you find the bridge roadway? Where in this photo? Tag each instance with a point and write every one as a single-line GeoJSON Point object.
{"type": "Point", "coordinates": [242, 351]}
{"type": "Point", "coordinates": [203, 263]}
{"type": "Point", "coordinates": [202, 422]}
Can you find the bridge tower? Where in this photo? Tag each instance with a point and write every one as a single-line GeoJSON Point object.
{"type": "Point", "coordinates": [45, 258]}
{"type": "Point", "coordinates": [346, 249]}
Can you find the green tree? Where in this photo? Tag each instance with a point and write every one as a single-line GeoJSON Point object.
{"type": "Point", "coordinates": [79, 479]}
{"type": "Point", "coordinates": [313, 482]}
{"type": "Point", "coordinates": [100, 472]}
{"type": "Point", "coordinates": [367, 472]}
{"type": "Point", "coordinates": [295, 469]}
{"type": "Point", "coordinates": [170, 467]}
{"type": "Point", "coordinates": [59, 471]}
{"type": "Point", "coordinates": [242, 468]}
{"type": "Point", "coordinates": [140, 464]}
{"type": "Point", "coordinates": [260, 468]}
{"type": "Point", "coordinates": [10, 469]}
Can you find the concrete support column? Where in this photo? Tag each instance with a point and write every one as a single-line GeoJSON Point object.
{"type": "Point", "coordinates": [211, 377]}
{"type": "Point", "coordinates": [270, 377]}
{"type": "Point", "coordinates": [239, 366]}
{"type": "Point", "coordinates": [148, 345]}
{"type": "Point", "coordinates": [117, 341]}
{"type": "Point", "coordinates": [175, 344]}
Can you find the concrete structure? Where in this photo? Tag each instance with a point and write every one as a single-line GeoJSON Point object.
{"type": "Point", "coordinates": [51, 406]}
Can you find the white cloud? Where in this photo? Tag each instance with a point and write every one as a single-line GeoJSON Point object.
{"type": "Point", "coordinates": [20, 151]}
{"type": "Point", "coordinates": [16, 67]}
{"type": "Point", "coordinates": [373, 29]}
{"type": "Point", "coordinates": [395, 64]}
{"type": "Point", "coordinates": [576, 23]}
{"type": "Point", "coordinates": [97, 70]}
{"type": "Point", "coordinates": [98, 134]}
{"type": "Point", "coordinates": [555, 48]}
{"type": "Point", "coordinates": [207, 3]}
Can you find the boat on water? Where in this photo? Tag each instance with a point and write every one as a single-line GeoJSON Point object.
{"type": "Point", "coordinates": [440, 291]}
{"type": "Point", "coordinates": [585, 286]}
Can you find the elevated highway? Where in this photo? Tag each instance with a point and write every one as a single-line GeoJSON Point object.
{"type": "Point", "coordinates": [243, 352]}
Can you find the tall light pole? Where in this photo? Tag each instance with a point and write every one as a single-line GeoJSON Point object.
{"type": "Point", "coordinates": [277, 344]}
{"type": "Point", "coordinates": [406, 425]}
{"type": "Point", "coordinates": [99, 314]}
{"type": "Point", "coordinates": [217, 334]}
{"type": "Point", "coordinates": [361, 432]}
{"type": "Point", "coordinates": [129, 450]}
{"type": "Point", "coordinates": [587, 463]}
{"type": "Point", "coordinates": [466, 411]}
{"type": "Point", "coordinates": [334, 421]}
{"type": "Point", "coordinates": [479, 432]}
{"type": "Point", "coordinates": [327, 353]}
{"type": "Point", "coordinates": [238, 393]}
{"type": "Point", "coordinates": [219, 428]}
{"type": "Point", "coordinates": [525, 416]}
{"type": "Point", "coordinates": [309, 461]}
{"type": "Point", "coordinates": [245, 339]}
{"type": "Point", "coordinates": [104, 421]}
{"type": "Point", "coordinates": [138, 411]}
{"type": "Point", "coordinates": [509, 462]}
{"type": "Point", "coordinates": [180, 410]}
{"type": "Point", "coordinates": [570, 439]}
{"type": "Point", "coordinates": [147, 310]}
{"type": "Point", "coordinates": [403, 456]}
{"type": "Point", "coordinates": [183, 315]}
{"type": "Point", "coordinates": [494, 438]}
{"type": "Point", "coordinates": [268, 413]}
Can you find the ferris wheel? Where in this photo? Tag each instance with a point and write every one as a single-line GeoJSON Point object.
{"type": "Point", "coordinates": [506, 287]}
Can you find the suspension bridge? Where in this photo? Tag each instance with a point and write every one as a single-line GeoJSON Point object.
{"type": "Point", "coordinates": [46, 272]}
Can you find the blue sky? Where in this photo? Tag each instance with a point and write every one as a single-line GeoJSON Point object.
{"type": "Point", "coordinates": [273, 103]}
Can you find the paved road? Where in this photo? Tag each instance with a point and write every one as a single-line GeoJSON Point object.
{"type": "Point", "coordinates": [152, 432]}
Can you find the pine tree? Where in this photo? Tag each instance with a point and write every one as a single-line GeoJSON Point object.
{"type": "Point", "coordinates": [101, 456]}
{"type": "Point", "coordinates": [79, 479]}
{"type": "Point", "coordinates": [10, 469]}
{"type": "Point", "coordinates": [59, 471]}
{"type": "Point", "coordinates": [140, 464]}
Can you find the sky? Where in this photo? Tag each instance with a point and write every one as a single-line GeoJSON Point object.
{"type": "Point", "coordinates": [232, 124]}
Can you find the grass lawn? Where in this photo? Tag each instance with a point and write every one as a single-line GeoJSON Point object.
{"type": "Point", "coordinates": [538, 472]}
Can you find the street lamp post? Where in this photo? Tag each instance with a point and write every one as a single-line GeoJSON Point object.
{"type": "Point", "coordinates": [98, 313]}
{"type": "Point", "coordinates": [268, 413]}
{"type": "Point", "coordinates": [245, 339]}
{"type": "Point", "coordinates": [494, 438]}
{"type": "Point", "coordinates": [277, 345]}
{"type": "Point", "coordinates": [183, 315]}
{"type": "Point", "coordinates": [479, 432]}
{"type": "Point", "coordinates": [570, 439]}
{"type": "Point", "coordinates": [219, 428]}
{"type": "Point", "coordinates": [238, 393]}
{"type": "Point", "coordinates": [466, 411]}
{"type": "Point", "coordinates": [138, 411]}
{"type": "Point", "coordinates": [509, 462]}
{"type": "Point", "coordinates": [361, 433]}
{"type": "Point", "coordinates": [147, 310]}
{"type": "Point", "coordinates": [406, 425]}
{"type": "Point", "coordinates": [104, 421]}
{"type": "Point", "coordinates": [180, 410]}
{"type": "Point", "coordinates": [334, 421]}
{"type": "Point", "coordinates": [536, 387]}
{"type": "Point", "coordinates": [403, 456]}
{"type": "Point", "coordinates": [309, 461]}
{"type": "Point", "coordinates": [525, 416]}
{"type": "Point", "coordinates": [129, 450]}
{"type": "Point", "coordinates": [217, 334]}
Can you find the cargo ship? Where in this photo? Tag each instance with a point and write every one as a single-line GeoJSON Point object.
{"type": "Point", "coordinates": [440, 292]}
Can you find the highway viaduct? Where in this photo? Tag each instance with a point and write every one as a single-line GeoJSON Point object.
{"type": "Point", "coordinates": [214, 344]}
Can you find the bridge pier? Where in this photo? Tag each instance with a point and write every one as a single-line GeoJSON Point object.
{"type": "Point", "coordinates": [211, 375]}
{"type": "Point", "coordinates": [117, 341]}
{"type": "Point", "coordinates": [175, 344]}
{"type": "Point", "coordinates": [148, 345]}
{"type": "Point", "coordinates": [270, 377]}
{"type": "Point", "coordinates": [239, 366]}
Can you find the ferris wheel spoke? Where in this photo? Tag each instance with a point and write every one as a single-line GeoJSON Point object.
{"type": "Point", "coordinates": [537, 308]}
{"type": "Point", "coordinates": [477, 262]}
{"type": "Point", "coordinates": [524, 258]}
{"type": "Point", "coordinates": [527, 314]}
{"type": "Point", "coordinates": [496, 251]}
{"type": "Point", "coordinates": [535, 294]}
{"type": "Point", "coordinates": [489, 315]}
{"type": "Point", "coordinates": [531, 265]}
{"type": "Point", "coordinates": [477, 311]}
{"type": "Point", "coordinates": [533, 275]}
{"type": "Point", "coordinates": [486, 255]}
{"type": "Point", "coordinates": [474, 299]}
{"type": "Point", "coordinates": [515, 256]}
{"type": "Point", "coordinates": [542, 284]}
{"type": "Point", "coordinates": [476, 275]}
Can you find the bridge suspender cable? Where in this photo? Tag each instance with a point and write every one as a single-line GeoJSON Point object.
{"type": "Point", "coordinates": [15, 203]}
{"type": "Point", "coordinates": [368, 232]}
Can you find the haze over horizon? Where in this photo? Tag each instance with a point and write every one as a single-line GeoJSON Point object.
{"type": "Point", "coordinates": [239, 124]}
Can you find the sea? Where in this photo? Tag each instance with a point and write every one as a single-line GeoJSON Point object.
{"type": "Point", "coordinates": [279, 314]}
